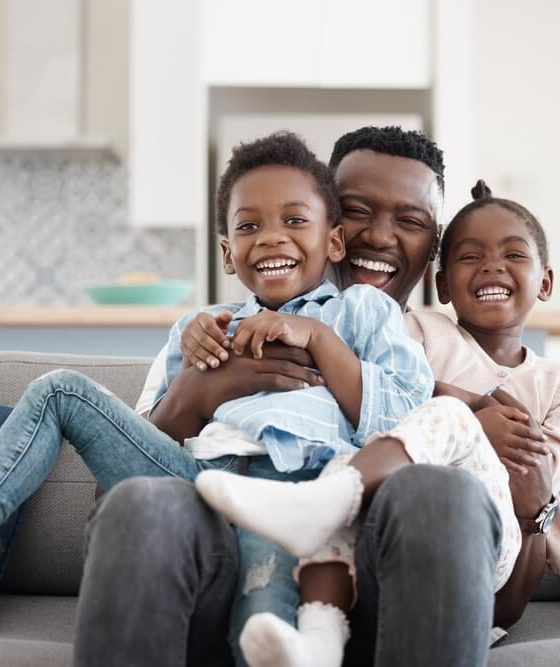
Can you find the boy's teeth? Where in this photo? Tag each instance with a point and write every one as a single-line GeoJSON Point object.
{"type": "Point", "coordinates": [493, 293]}
{"type": "Point", "coordinates": [372, 265]}
{"type": "Point", "coordinates": [275, 267]}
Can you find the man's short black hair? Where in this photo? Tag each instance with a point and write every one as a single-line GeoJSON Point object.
{"type": "Point", "coordinates": [391, 140]}
{"type": "Point", "coordinates": [280, 148]}
{"type": "Point", "coordinates": [482, 196]}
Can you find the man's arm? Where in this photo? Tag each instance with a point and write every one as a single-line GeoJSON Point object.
{"type": "Point", "coordinates": [193, 396]}
{"type": "Point", "coordinates": [530, 494]}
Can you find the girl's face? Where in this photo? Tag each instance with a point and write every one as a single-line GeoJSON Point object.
{"type": "Point", "coordinates": [279, 237]}
{"type": "Point", "coordinates": [494, 273]}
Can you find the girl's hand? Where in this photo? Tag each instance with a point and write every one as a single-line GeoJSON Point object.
{"type": "Point", "coordinates": [515, 437]}
{"type": "Point", "coordinates": [269, 326]}
{"type": "Point", "coordinates": [204, 342]}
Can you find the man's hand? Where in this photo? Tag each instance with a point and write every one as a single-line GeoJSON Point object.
{"type": "Point", "coordinates": [204, 342]}
{"type": "Point", "coordinates": [514, 435]}
{"type": "Point", "coordinates": [270, 326]}
{"type": "Point", "coordinates": [532, 491]}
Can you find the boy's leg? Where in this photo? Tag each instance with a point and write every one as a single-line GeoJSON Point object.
{"type": "Point", "coordinates": [160, 572]}
{"type": "Point", "coordinates": [111, 438]}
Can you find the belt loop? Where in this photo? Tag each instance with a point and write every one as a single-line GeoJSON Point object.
{"type": "Point", "coordinates": [242, 465]}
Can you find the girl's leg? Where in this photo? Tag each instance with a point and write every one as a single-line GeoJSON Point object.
{"type": "Point", "coordinates": [301, 517]}
{"type": "Point", "coordinates": [111, 438]}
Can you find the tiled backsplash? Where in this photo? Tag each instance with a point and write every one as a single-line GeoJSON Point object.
{"type": "Point", "coordinates": [63, 223]}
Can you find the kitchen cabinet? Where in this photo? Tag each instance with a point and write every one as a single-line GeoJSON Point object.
{"type": "Point", "coordinates": [312, 43]}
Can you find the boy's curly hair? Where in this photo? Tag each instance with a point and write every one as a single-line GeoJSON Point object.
{"type": "Point", "coordinates": [280, 148]}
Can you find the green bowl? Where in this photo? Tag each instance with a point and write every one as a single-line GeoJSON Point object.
{"type": "Point", "coordinates": [165, 293]}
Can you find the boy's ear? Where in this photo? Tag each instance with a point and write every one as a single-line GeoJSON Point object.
{"type": "Point", "coordinates": [441, 286]}
{"type": "Point", "coordinates": [337, 247]}
{"type": "Point", "coordinates": [546, 284]}
{"type": "Point", "coordinates": [226, 257]}
{"type": "Point", "coordinates": [435, 247]}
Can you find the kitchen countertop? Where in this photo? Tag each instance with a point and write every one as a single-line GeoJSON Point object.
{"type": "Point", "coordinates": [160, 316]}
{"type": "Point", "coordinates": [91, 316]}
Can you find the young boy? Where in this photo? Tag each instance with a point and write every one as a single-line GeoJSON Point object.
{"type": "Point", "coordinates": [278, 214]}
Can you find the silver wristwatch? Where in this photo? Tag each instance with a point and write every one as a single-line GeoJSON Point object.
{"type": "Point", "coordinates": [543, 521]}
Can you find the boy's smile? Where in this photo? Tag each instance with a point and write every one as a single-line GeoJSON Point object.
{"type": "Point", "coordinates": [390, 206]}
{"type": "Point", "coordinates": [279, 237]}
{"type": "Point", "coordinates": [494, 273]}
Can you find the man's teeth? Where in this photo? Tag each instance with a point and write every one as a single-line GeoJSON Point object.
{"type": "Point", "coordinates": [493, 293]}
{"type": "Point", "coordinates": [275, 267]}
{"type": "Point", "coordinates": [371, 265]}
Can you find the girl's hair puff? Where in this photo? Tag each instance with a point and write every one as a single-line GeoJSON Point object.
{"type": "Point", "coordinates": [482, 196]}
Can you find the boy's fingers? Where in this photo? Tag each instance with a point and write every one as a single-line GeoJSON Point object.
{"type": "Point", "coordinates": [513, 413]}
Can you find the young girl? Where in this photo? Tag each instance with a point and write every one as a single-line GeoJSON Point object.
{"type": "Point", "coordinates": [494, 266]}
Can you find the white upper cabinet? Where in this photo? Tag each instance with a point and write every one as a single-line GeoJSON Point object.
{"type": "Point", "coordinates": [167, 115]}
{"type": "Point", "coordinates": [316, 43]}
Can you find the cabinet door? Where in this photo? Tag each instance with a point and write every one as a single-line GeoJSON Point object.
{"type": "Point", "coordinates": [167, 115]}
{"type": "Point", "coordinates": [375, 44]}
{"type": "Point", "coordinates": [259, 43]}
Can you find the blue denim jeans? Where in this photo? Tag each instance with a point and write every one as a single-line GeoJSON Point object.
{"type": "Point", "coordinates": [266, 580]}
{"type": "Point", "coordinates": [116, 444]}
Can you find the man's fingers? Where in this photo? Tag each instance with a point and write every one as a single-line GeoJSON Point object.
{"type": "Point", "coordinates": [512, 466]}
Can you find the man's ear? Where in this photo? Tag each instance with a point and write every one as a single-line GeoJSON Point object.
{"type": "Point", "coordinates": [226, 257]}
{"type": "Point", "coordinates": [546, 284]}
{"type": "Point", "coordinates": [337, 247]}
{"type": "Point", "coordinates": [435, 246]}
{"type": "Point", "coordinates": [442, 289]}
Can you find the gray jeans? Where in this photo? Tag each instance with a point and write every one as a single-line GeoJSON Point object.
{"type": "Point", "coordinates": [161, 570]}
{"type": "Point", "coordinates": [160, 574]}
{"type": "Point", "coordinates": [426, 562]}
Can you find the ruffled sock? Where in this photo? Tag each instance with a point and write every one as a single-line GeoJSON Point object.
{"type": "Point", "coordinates": [268, 641]}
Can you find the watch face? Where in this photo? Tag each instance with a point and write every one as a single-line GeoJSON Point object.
{"type": "Point", "coordinates": [549, 519]}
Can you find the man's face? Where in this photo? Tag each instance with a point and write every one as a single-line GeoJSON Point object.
{"type": "Point", "coordinates": [390, 207]}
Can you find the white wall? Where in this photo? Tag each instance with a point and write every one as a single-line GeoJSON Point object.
{"type": "Point", "coordinates": [517, 107]}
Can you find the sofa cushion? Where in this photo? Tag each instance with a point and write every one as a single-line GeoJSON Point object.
{"type": "Point", "coordinates": [47, 554]}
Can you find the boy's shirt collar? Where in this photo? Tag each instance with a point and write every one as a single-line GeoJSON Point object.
{"type": "Point", "coordinates": [325, 291]}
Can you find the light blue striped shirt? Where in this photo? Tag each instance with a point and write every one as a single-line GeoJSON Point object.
{"type": "Point", "coordinates": [304, 428]}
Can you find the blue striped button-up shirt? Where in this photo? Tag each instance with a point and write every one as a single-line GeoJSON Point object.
{"type": "Point", "coordinates": [304, 428]}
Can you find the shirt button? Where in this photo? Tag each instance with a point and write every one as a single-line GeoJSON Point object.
{"type": "Point", "coordinates": [502, 374]}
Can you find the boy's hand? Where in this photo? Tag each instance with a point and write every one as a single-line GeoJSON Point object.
{"type": "Point", "coordinates": [515, 437]}
{"type": "Point", "coordinates": [269, 326]}
{"type": "Point", "coordinates": [204, 342]}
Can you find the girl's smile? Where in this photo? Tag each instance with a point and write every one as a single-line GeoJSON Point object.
{"type": "Point", "coordinates": [494, 272]}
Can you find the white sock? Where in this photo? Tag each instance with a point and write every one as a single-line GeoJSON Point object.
{"type": "Point", "coordinates": [268, 641]}
{"type": "Point", "coordinates": [299, 517]}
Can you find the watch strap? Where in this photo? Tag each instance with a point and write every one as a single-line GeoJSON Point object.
{"type": "Point", "coordinates": [538, 525]}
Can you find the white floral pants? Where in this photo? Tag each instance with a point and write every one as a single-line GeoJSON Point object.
{"type": "Point", "coordinates": [445, 432]}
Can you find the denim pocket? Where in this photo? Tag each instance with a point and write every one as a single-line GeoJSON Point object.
{"type": "Point", "coordinates": [227, 463]}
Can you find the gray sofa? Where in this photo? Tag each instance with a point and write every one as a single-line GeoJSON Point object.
{"type": "Point", "coordinates": [38, 594]}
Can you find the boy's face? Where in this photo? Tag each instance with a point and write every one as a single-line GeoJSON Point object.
{"type": "Point", "coordinates": [279, 238]}
{"type": "Point", "coordinates": [494, 273]}
{"type": "Point", "coordinates": [390, 207]}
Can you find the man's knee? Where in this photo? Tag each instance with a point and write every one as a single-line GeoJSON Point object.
{"type": "Point", "coordinates": [162, 511]}
{"type": "Point", "coordinates": [428, 505]}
